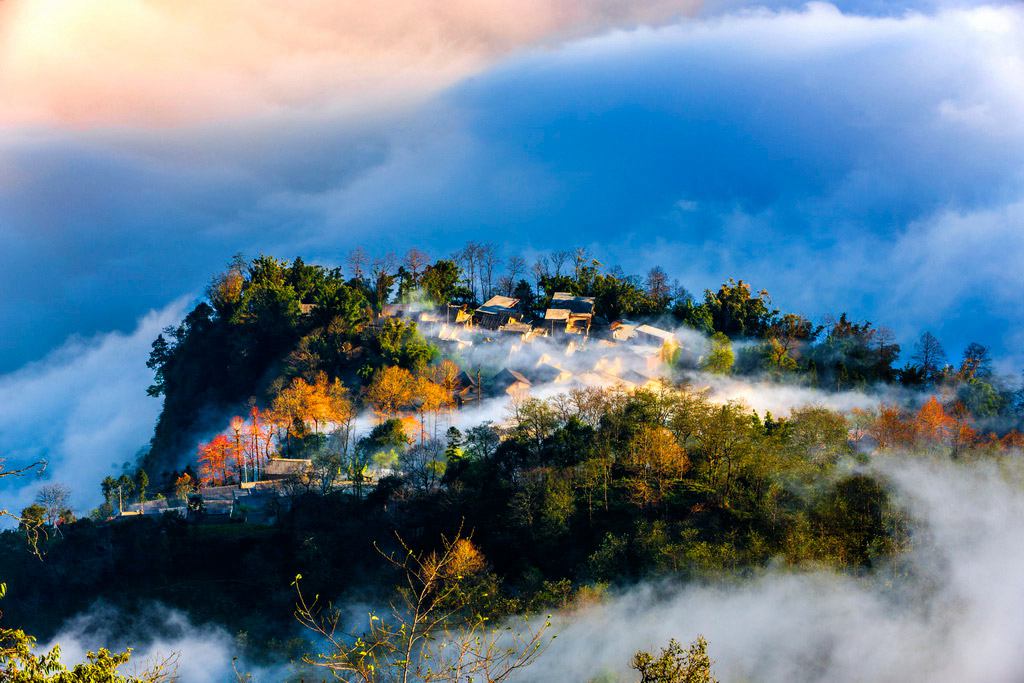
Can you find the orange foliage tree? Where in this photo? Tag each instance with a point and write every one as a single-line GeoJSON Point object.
{"type": "Point", "coordinates": [932, 427]}
{"type": "Point", "coordinates": [431, 399]}
{"type": "Point", "coordinates": [891, 429]}
{"type": "Point", "coordinates": [319, 404]}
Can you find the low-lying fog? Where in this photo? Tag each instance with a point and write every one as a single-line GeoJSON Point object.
{"type": "Point", "coordinates": [949, 611]}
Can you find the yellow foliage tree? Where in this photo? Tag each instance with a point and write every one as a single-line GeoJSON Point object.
{"type": "Point", "coordinates": [391, 390]}
{"type": "Point", "coordinates": [656, 462]}
{"type": "Point", "coordinates": [321, 403]}
{"type": "Point", "coordinates": [432, 399]}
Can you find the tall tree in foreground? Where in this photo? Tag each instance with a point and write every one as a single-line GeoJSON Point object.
{"type": "Point", "coordinates": [436, 631]}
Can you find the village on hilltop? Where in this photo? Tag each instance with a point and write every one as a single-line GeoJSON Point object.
{"type": "Point", "coordinates": [571, 346]}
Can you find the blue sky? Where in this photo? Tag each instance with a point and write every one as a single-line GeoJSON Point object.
{"type": "Point", "coordinates": [819, 151]}
{"type": "Point", "coordinates": [863, 157]}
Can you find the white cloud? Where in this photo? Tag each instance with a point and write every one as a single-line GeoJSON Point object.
{"type": "Point", "coordinates": [158, 634]}
{"type": "Point", "coordinates": [950, 613]}
{"type": "Point", "coordinates": [956, 255]}
{"type": "Point", "coordinates": [92, 62]}
{"type": "Point", "coordinates": [83, 408]}
{"type": "Point", "coordinates": [781, 399]}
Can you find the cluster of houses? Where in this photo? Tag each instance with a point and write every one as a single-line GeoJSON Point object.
{"type": "Point", "coordinates": [579, 348]}
{"type": "Point", "coordinates": [256, 502]}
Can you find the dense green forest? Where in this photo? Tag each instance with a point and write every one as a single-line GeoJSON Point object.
{"type": "Point", "coordinates": [562, 499]}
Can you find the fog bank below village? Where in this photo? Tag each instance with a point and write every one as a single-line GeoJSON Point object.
{"type": "Point", "coordinates": [948, 611]}
{"type": "Point", "coordinates": [951, 612]}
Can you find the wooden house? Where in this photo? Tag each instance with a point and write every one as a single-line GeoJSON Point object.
{"type": "Point", "coordinates": [497, 311]}
{"type": "Point", "coordinates": [570, 313]}
{"type": "Point", "coordinates": [510, 382]}
{"type": "Point", "coordinates": [286, 468]}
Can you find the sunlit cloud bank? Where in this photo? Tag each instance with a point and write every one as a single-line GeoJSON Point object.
{"type": "Point", "coordinates": [89, 62]}
{"type": "Point", "coordinates": [83, 409]}
{"type": "Point", "coordinates": [951, 615]}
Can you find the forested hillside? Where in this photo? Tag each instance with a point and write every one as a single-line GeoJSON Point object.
{"type": "Point", "coordinates": [558, 490]}
{"type": "Point", "coordinates": [250, 337]}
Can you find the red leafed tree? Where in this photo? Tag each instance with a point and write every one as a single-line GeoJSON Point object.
{"type": "Point", "coordinates": [217, 461]}
{"type": "Point", "coordinates": [237, 426]}
{"type": "Point", "coordinates": [1012, 440]}
{"type": "Point", "coordinates": [261, 434]}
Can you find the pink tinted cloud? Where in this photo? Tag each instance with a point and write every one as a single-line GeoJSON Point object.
{"type": "Point", "coordinates": [157, 62]}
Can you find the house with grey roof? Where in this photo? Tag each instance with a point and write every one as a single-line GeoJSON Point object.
{"type": "Point", "coordinates": [569, 313]}
{"type": "Point", "coordinates": [497, 311]}
{"type": "Point", "coordinates": [508, 381]}
{"type": "Point", "coordinates": [286, 468]}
